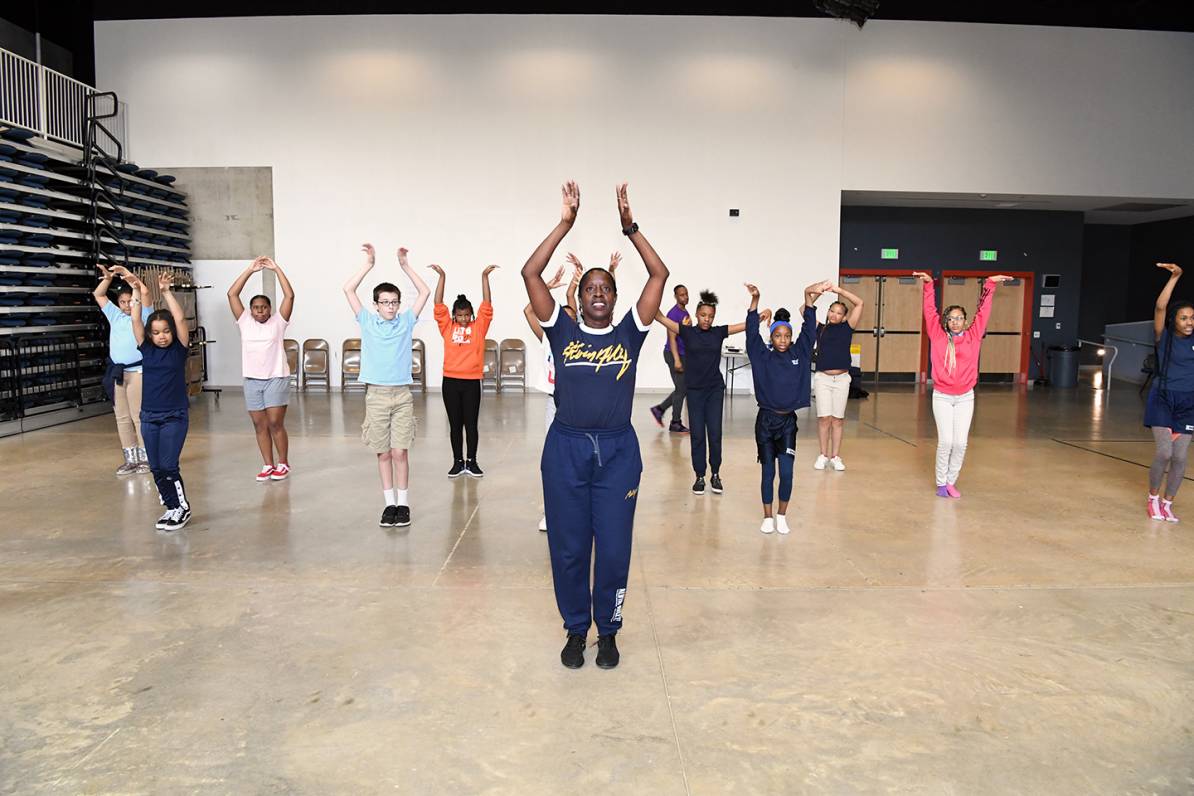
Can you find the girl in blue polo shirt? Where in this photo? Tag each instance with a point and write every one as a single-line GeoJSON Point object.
{"type": "Point", "coordinates": [782, 374]}
{"type": "Point", "coordinates": [163, 340]}
{"type": "Point", "coordinates": [122, 378]}
{"type": "Point", "coordinates": [591, 464]}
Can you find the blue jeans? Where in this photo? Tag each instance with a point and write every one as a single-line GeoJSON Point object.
{"type": "Point", "coordinates": [165, 433]}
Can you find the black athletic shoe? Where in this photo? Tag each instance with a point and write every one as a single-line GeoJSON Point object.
{"type": "Point", "coordinates": [178, 519]}
{"type": "Point", "coordinates": [389, 517]}
{"type": "Point", "coordinates": [715, 483]}
{"type": "Point", "coordinates": [677, 427]}
{"type": "Point", "coordinates": [457, 469]}
{"type": "Point", "coordinates": [573, 654]}
{"type": "Point", "coordinates": [607, 652]}
{"type": "Point", "coordinates": [474, 469]}
{"type": "Point", "coordinates": [698, 486]}
{"type": "Point", "coordinates": [402, 516]}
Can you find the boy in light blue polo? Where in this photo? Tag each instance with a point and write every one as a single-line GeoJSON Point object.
{"type": "Point", "coordinates": [389, 427]}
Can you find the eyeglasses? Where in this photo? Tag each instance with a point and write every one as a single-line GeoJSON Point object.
{"type": "Point", "coordinates": [387, 303]}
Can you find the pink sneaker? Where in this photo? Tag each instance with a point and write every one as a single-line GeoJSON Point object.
{"type": "Point", "coordinates": [281, 471]}
{"type": "Point", "coordinates": [1167, 511]}
{"type": "Point", "coordinates": [1154, 509]}
{"type": "Point", "coordinates": [952, 491]}
{"type": "Point", "coordinates": [267, 470]}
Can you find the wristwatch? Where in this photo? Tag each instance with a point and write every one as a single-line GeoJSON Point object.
{"type": "Point", "coordinates": [630, 230]}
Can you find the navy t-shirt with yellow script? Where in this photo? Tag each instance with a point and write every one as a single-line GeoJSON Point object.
{"type": "Point", "coordinates": [595, 369]}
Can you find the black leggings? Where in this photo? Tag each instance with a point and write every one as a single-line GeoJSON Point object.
{"type": "Point", "coordinates": [462, 399]}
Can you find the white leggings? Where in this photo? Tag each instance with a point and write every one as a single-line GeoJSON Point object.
{"type": "Point", "coordinates": [953, 414]}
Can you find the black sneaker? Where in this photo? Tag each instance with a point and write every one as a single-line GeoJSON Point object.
{"type": "Point", "coordinates": [178, 519]}
{"type": "Point", "coordinates": [715, 483]}
{"type": "Point", "coordinates": [474, 469]}
{"type": "Point", "coordinates": [457, 469]}
{"type": "Point", "coordinates": [698, 486]}
{"type": "Point", "coordinates": [402, 516]}
{"type": "Point", "coordinates": [677, 427]}
{"type": "Point", "coordinates": [162, 520]}
{"type": "Point", "coordinates": [389, 517]}
{"type": "Point", "coordinates": [607, 652]}
{"type": "Point", "coordinates": [573, 654]}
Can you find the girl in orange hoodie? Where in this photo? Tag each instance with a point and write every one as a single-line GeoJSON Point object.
{"type": "Point", "coordinates": [464, 363]}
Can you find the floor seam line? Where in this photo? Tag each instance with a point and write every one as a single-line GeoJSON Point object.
{"type": "Point", "coordinates": [667, 694]}
{"type": "Point", "coordinates": [459, 539]}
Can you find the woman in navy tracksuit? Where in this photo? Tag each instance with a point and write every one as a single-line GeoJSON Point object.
{"type": "Point", "coordinates": [591, 464]}
{"type": "Point", "coordinates": [782, 374]}
{"type": "Point", "coordinates": [162, 340]}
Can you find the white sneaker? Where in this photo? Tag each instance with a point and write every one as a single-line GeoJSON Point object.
{"type": "Point", "coordinates": [165, 518]}
{"type": "Point", "coordinates": [768, 525]}
{"type": "Point", "coordinates": [1167, 511]}
{"type": "Point", "coordinates": [781, 524]}
{"type": "Point", "coordinates": [837, 463]}
{"type": "Point", "coordinates": [543, 524]}
{"type": "Point", "coordinates": [821, 462]}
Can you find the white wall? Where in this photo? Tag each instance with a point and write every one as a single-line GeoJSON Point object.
{"type": "Point", "coordinates": [450, 135]}
{"type": "Point", "coordinates": [1017, 109]}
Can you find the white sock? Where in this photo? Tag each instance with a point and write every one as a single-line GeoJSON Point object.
{"type": "Point", "coordinates": [781, 523]}
{"type": "Point", "coordinates": [402, 499]}
{"type": "Point", "coordinates": [389, 495]}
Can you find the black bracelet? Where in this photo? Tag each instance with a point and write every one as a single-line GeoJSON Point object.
{"type": "Point", "coordinates": [630, 230]}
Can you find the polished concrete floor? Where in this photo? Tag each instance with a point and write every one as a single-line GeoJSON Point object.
{"type": "Point", "coordinates": [1036, 636]}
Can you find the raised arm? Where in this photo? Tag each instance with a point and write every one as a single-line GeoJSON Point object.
{"type": "Point", "coordinates": [932, 316]}
{"type": "Point", "coordinates": [101, 290]}
{"type": "Point", "coordinates": [423, 292]}
{"type": "Point", "coordinates": [287, 306]}
{"type": "Point", "coordinates": [578, 271]}
{"type": "Point", "coordinates": [138, 324]}
{"type": "Point", "coordinates": [165, 282]}
{"type": "Point", "coordinates": [234, 302]}
{"type": "Point", "coordinates": [439, 283]}
{"type": "Point", "coordinates": [983, 313]}
{"type": "Point", "coordinates": [532, 321]}
{"type": "Point", "coordinates": [1161, 308]}
{"type": "Point", "coordinates": [485, 283]}
{"type": "Point", "coordinates": [754, 342]}
{"type": "Point", "coordinates": [855, 305]}
{"type": "Point", "coordinates": [354, 281]}
{"type": "Point", "coordinates": [532, 270]}
{"type": "Point", "coordinates": [814, 291]}
{"type": "Point", "coordinates": [672, 327]}
{"type": "Point", "coordinates": [657, 273]}
{"type": "Point", "coordinates": [140, 289]}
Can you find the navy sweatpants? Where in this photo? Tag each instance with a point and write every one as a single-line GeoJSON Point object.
{"type": "Point", "coordinates": [164, 434]}
{"type": "Point", "coordinates": [704, 417]}
{"type": "Point", "coordinates": [590, 490]}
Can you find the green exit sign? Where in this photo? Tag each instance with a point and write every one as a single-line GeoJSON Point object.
{"type": "Point", "coordinates": [890, 254]}
{"type": "Point", "coordinates": [990, 255]}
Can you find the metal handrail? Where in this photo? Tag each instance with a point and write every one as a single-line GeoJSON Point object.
{"type": "Point", "coordinates": [1106, 364]}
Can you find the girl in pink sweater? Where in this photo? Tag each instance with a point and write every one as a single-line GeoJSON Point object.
{"type": "Point", "coordinates": [953, 352]}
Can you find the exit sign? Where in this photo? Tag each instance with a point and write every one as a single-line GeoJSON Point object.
{"type": "Point", "coordinates": [890, 254]}
{"type": "Point", "coordinates": [990, 255]}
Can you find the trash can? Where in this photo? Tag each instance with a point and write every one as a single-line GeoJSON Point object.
{"type": "Point", "coordinates": [1063, 365]}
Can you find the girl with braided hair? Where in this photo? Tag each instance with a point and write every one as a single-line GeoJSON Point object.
{"type": "Point", "coordinates": [953, 351]}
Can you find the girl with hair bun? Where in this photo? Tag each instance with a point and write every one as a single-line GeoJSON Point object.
{"type": "Point", "coordinates": [464, 364]}
{"type": "Point", "coordinates": [1170, 409]}
{"type": "Point", "coordinates": [782, 378]}
{"type": "Point", "coordinates": [704, 385]}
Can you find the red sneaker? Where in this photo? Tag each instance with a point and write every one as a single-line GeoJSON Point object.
{"type": "Point", "coordinates": [281, 471]}
{"type": "Point", "coordinates": [267, 471]}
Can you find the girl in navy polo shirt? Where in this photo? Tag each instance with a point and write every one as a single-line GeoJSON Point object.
{"type": "Point", "coordinates": [163, 340]}
{"type": "Point", "coordinates": [1170, 409]}
{"type": "Point", "coordinates": [704, 386]}
{"type": "Point", "coordinates": [831, 382]}
{"type": "Point", "coordinates": [591, 464]}
{"type": "Point", "coordinates": [782, 372]}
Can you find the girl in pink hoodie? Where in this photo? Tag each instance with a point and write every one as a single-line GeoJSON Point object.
{"type": "Point", "coordinates": [953, 352]}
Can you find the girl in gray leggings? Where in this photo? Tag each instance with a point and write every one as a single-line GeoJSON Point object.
{"type": "Point", "coordinates": [1170, 409]}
